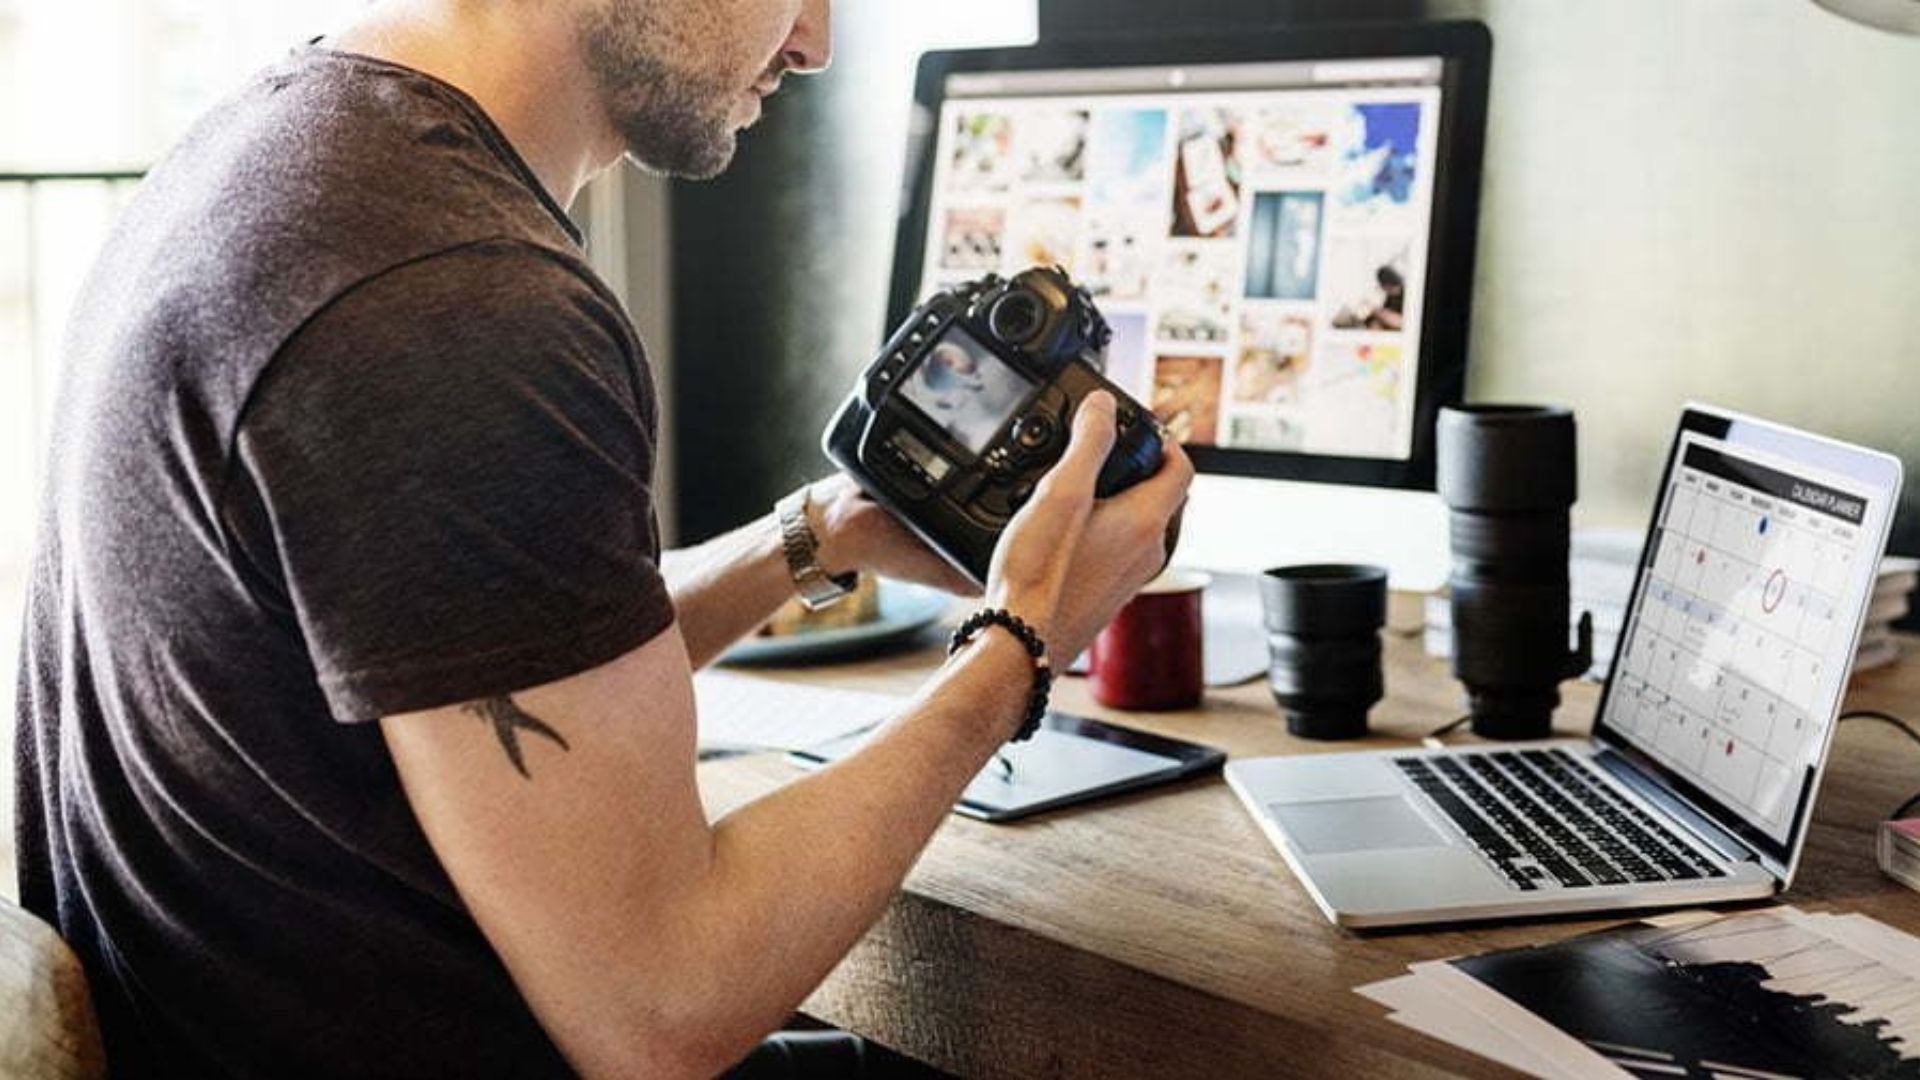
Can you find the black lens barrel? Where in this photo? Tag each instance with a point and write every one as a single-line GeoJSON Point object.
{"type": "Point", "coordinates": [1323, 637]}
{"type": "Point", "coordinates": [1508, 459]}
{"type": "Point", "coordinates": [1509, 475]}
{"type": "Point", "coordinates": [1017, 317]}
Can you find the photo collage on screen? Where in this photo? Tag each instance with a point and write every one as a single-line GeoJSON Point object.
{"type": "Point", "coordinates": [1260, 255]}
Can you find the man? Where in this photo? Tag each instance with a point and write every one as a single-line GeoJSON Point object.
{"type": "Point", "coordinates": [357, 730]}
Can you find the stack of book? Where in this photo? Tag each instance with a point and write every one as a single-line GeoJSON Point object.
{"type": "Point", "coordinates": [1892, 602]}
{"type": "Point", "coordinates": [1601, 577]}
{"type": "Point", "coordinates": [1900, 851]}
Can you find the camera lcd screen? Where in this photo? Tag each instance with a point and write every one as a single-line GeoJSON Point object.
{"type": "Point", "coordinates": [966, 390]}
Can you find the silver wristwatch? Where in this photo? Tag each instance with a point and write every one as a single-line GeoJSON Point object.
{"type": "Point", "coordinates": [817, 588]}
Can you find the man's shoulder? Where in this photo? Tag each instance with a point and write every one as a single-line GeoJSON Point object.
{"type": "Point", "coordinates": [320, 174]}
{"type": "Point", "coordinates": [464, 329]}
{"type": "Point", "coordinates": [331, 187]}
{"type": "Point", "coordinates": [522, 298]}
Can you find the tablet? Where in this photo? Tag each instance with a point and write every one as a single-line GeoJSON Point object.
{"type": "Point", "coordinates": [1071, 759]}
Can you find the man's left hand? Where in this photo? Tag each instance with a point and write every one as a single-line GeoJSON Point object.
{"type": "Point", "coordinates": [857, 533]}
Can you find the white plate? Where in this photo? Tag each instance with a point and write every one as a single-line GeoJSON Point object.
{"type": "Point", "coordinates": [905, 611]}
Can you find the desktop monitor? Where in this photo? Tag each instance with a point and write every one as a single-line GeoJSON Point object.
{"type": "Point", "coordinates": [1279, 225]}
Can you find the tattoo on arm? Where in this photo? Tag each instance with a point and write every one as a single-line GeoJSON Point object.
{"type": "Point", "coordinates": [508, 721]}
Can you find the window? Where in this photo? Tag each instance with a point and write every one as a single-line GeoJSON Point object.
{"type": "Point", "coordinates": [90, 87]}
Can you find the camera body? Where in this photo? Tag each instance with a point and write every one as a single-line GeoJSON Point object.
{"type": "Point", "coordinates": [972, 401]}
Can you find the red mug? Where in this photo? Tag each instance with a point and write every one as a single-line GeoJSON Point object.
{"type": "Point", "coordinates": [1149, 659]}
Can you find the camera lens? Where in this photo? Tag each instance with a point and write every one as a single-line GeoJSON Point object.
{"type": "Point", "coordinates": [1507, 475]}
{"type": "Point", "coordinates": [1323, 634]}
{"type": "Point", "coordinates": [1017, 317]}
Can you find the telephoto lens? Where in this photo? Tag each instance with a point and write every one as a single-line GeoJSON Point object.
{"type": "Point", "coordinates": [1507, 474]}
{"type": "Point", "coordinates": [1323, 636]}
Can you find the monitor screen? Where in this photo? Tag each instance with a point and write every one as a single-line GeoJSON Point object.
{"type": "Point", "coordinates": [1260, 235]}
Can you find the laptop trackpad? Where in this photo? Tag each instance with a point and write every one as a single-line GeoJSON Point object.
{"type": "Point", "coordinates": [1328, 826]}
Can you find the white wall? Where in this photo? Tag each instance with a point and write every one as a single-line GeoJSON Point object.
{"type": "Point", "coordinates": [1699, 198]}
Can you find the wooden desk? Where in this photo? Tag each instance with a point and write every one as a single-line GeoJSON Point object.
{"type": "Point", "coordinates": [1160, 935]}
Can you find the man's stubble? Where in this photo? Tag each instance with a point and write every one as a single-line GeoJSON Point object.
{"type": "Point", "coordinates": [672, 117]}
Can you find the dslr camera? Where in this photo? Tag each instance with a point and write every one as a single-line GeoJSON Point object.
{"type": "Point", "coordinates": [972, 401]}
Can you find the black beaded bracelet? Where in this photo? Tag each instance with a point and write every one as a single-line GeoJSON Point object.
{"type": "Point", "coordinates": [1042, 667]}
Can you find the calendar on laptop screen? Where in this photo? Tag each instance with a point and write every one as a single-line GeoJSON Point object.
{"type": "Point", "coordinates": [1741, 634]}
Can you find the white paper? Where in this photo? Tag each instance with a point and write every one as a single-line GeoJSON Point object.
{"type": "Point", "coordinates": [1418, 1004]}
{"type": "Point", "coordinates": [1570, 1057]}
{"type": "Point", "coordinates": [748, 712]}
{"type": "Point", "coordinates": [1866, 936]}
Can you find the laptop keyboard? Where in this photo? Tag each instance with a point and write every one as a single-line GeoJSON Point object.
{"type": "Point", "coordinates": [1543, 819]}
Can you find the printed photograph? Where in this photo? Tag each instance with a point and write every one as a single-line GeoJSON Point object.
{"type": "Point", "coordinates": [1266, 432]}
{"type": "Point", "coordinates": [1197, 287]}
{"type": "Point", "coordinates": [1296, 142]}
{"type": "Point", "coordinates": [1366, 283]}
{"type": "Point", "coordinates": [1207, 175]}
{"type": "Point", "coordinates": [1275, 351]}
{"type": "Point", "coordinates": [972, 239]}
{"type": "Point", "coordinates": [1052, 147]}
{"type": "Point", "coordinates": [1129, 363]}
{"type": "Point", "coordinates": [1382, 155]}
{"type": "Point", "coordinates": [1350, 400]}
{"type": "Point", "coordinates": [1186, 397]}
{"type": "Point", "coordinates": [1044, 232]}
{"type": "Point", "coordinates": [982, 155]}
{"type": "Point", "coordinates": [1751, 995]}
{"type": "Point", "coordinates": [1127, 167]}
{"type": "Point", "coordinates": [1283, 248]}
{"type": "Point", "coordinates": [1118, 251]}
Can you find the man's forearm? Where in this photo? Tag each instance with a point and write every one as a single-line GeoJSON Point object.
{"type": "Point", "coordinates": [798, 876]}
{"type": "Point", "coordinates": [727, 587]}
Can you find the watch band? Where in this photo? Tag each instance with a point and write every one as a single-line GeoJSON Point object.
{"type": "Point", "coordinates": [817, 588]}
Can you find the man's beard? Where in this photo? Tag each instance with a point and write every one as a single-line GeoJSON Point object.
{"type": "Point", "coordinates": [672, 119]}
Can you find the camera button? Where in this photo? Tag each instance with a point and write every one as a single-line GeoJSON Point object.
{"type": "Point", "coordinates": [1035, 432]}
{"type": "Point", "coordinates": [1021, 492]}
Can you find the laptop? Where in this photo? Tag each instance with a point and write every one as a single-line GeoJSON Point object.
{"type": "Point", "coordinates": [1712, 732]}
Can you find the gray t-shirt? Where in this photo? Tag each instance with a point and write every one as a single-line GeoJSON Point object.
{"type": "Point", "coordinates": [347, 428]}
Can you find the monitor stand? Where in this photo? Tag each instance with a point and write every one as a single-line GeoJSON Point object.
{"type": "Point", "coordinates": [1235, 635]}
{"type": "Point", "coordinates": [1239, 525]}
{"type": "Point", "coordinates": [1236, 529]}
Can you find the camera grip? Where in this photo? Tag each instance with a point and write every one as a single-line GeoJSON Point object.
{"type": "Point", "coordinates": [1136, 455]}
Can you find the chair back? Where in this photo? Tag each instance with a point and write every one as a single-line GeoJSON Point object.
{"type": "Point", "coordinates": [47, 1026]}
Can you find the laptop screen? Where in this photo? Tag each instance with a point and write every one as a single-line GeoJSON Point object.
{"type": "Point", "coordinates": [1740, 635]}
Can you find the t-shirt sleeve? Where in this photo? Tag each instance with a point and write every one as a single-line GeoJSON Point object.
{"type": "Point", "coordinates": [452, 465]}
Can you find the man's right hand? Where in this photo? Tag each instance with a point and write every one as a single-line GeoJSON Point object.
{"type": "Point", "coordinates": [1068, 561]}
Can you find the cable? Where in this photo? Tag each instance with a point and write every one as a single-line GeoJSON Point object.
{"type": "Point", "coordinates": [1885, 718]}
{"type": "Point", "coordinates": [1905, 729]}
{"type": "Point", "coordinates": [1431, 740]}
